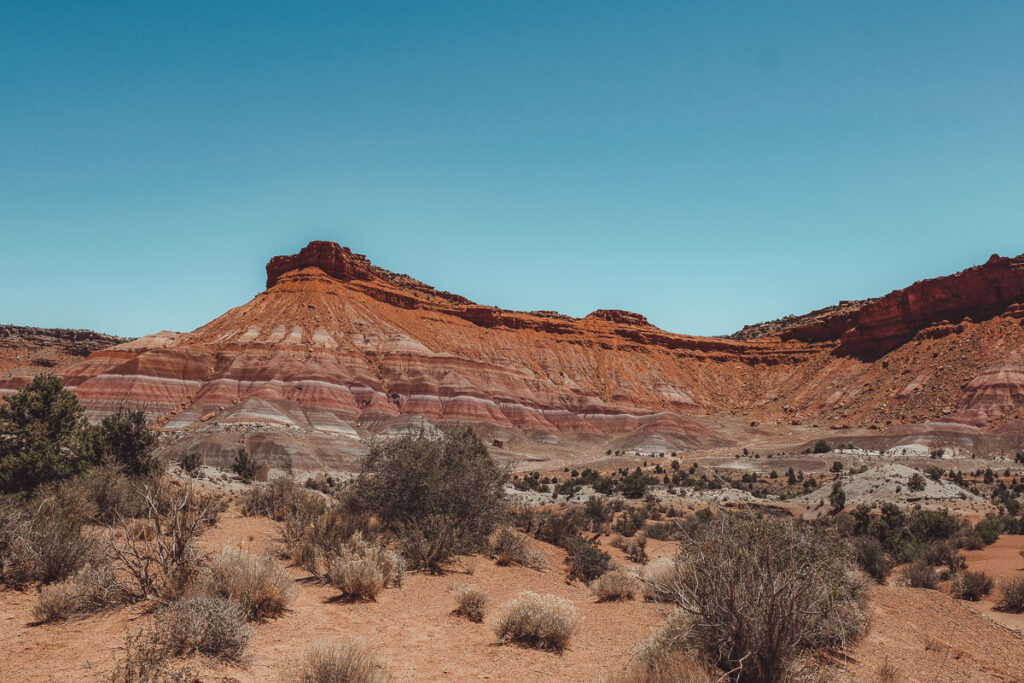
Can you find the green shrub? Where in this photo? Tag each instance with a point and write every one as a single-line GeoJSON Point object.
{"type": "Point", "coordinates": [822, 446]}
{"type": "Point", "coordinates": [244, 465]}
{"type": "Point", "coordinates": [989, 529]}
{"type": "Point", "coordinates": [125, 439]}
{"type": "Point", "coordinates": [971, 586]}
{"type": "Point", "coordinates": [871, 558]}
{"type": "Point", "coordinates": [441, 497]}
{"type": "Point", "coordinates": [920, 575]}
{"type": "Point", "coordinates": [191, 462]}
{"type": "Point", "coordinates": [585, 560]}
{"type": "Point", "coordinates": [43, 436]}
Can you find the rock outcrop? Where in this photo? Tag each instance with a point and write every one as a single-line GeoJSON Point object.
{"type": "Point", "coordinates": [337, 349]}
{"type": "Point", "coordinates": [27, 351]}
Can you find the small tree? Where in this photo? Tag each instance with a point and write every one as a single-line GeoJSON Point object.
{"type": "Point", "coordinates": [822, 446]}
{"type": "Point", "coordinates": [440, 496]}
{"type": "Point", "coordinates": [916, 482]}
{"type": "Point", "coordinates": [837, 499]}
{"type": "Point", "coordinates": [41, 436]}
{"type": "Point", "coordinates": [124, 438]}
{"type": "Point", "coordinates": [244, 465]}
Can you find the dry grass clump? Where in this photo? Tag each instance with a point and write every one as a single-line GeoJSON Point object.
{"type": "Point", "coordinates": [208, 625]}
{"type": "Point", "coordinates": [546, 622]}
{"type": "Point", "coordinates": [258, 584]}
{"type": "Point", "coordinates": [472, 601]}
{"type": "Point", "coordinates": [668, 667]}
{"type": "Point", "coordinates": [509, 547]}
{"type": "Point", "coordinates": [360, 569]}
{"type": "Point", "coordinates": [1011, 595]}
{"type": "Point", "coordinates": [971, 586]}
{"type": "Point", "coordinates": [91, 589]}
{"type": "Point", "coordinates": [618, 584]}
{"type": "Point", "coordinates": [343, 661]}
{"type": "Point", "coordinates": [658, 578]}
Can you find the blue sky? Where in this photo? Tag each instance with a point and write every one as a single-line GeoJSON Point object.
{"type": "Point", "coordinates": [705, 164]}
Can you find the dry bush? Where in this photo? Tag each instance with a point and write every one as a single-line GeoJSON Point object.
{"type": "Point", "coordinates": [258, 584]}
{"type": "Point", "coordinates": [668, 667]}
{"type": "Point", "coordinates": [920, 574]}
{"type": "Point", "coordinates": [102, 495]}
{"type": "Point", "coordinates": [887, 672]}
{"type": "Point", "coordinates": [161, 557]}
{"type": "Point", "coordinates": [635, 547]}
{"type": "Point", "coordinates": [1011, 595]}
{"type": "Point", "coordinates": [41, 545]}
{"type": "Point", "coordinates": [618, 584]}
{"type": "Point", "coordinates": [208, 625]}
{"type": "Point", "coordinates": [971, 586]}
{"type": "Point", "coordinates": [282, 498]}
{"type": "Point", "coordinates": [755, 594]}
{"type": "Point", "coordinates": [657, 579]}
{"type": "Point", "coordinates": [542, 621]}
{"type": "Point", "coordinates": [313, 533]}
{"type": "Point", "coordinates": [357, 578]}
{"type": "Point", "coordinates": [148, 661]}
{"type": "Point", "coordinates": [91, 589]}
{"type": "Point", "coordinates": [472, 601]}
{"type": "Point", "coordinates": [509, 547]}
{"type": "Point", "coordinates": [344, 661]}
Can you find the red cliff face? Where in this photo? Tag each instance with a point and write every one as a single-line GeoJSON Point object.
{"type": "Point", "coordinates": [880, 325]}
{"type": "Point", "coordinates": [337, 349]}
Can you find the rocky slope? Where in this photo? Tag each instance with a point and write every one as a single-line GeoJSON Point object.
{"type": "Point", "coordinates": [27, 351]}
{"type": "Point", "coordinates": [337, 349]}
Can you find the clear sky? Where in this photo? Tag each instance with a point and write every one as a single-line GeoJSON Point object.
{"type": "Point", "coordinates": [705, 164]}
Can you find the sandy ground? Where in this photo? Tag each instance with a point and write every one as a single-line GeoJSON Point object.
{"type": "Point", "coordinates": [926, 634]}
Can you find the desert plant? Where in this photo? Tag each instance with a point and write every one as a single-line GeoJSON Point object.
{"type": "Point", "coordinates": [584, 559]}
{"type": "Point", "coordinates": [41, 545]}
{"type": "Point", "coordinates": [989, 529]}
{"type": "Point", "coordinates": [244, 465]}
{"type": "Point", "coordinates": [821, 446]}
{"type": "Point", "coordinates": [509, 547]}
{"type": "Point", "coordinates": [148, 661]}
{"type": "Point", "coordinates": [669, 667]}
{"type": "Point", "coordinates": [971, 586]}
{"type": "Point", "coordinates": [916, 482]}
{"type": "Point", "coordinates": [208, 625]}
{"type": "Point", "coordinates": [542, 621]}
{"type": "Point", "coordinates": [191, 462]}
{"type": "Point", "coordinates": [440, 496]}
{"type": "Point", "coordinates": [635, 548]}
{"type": "Point", "coordinates": [657, 579]}
{"type": "Point", "coordinates": [162, 556]}
{"type": "Point", "coordinates": [258, 584]}
{"type": "Point", "coordinates": [871, 557]}
{"type": "Point", "coordinates": [360, 569]}
{"type": "Point", "coordinates": [722, 573]}
{"type": "Point", "coordinates": [43, 436]}
{"type": "Point", "coordinates": [1011, 595]}
{"type": "Point", "coordinates": [837, 498]}
{"type": "Point", "coordinates": [341, 661]}
{"type": "Point", "coordinates": [356, 577]}
{"type": "Point", "coordinates": [920, 575]}
{"type": "Point", "coordinates": [472, 601]}
{"type": "Point", "coordinates": [125, 439]}
{"type": "Point", "coordinates": [91, 589]}
{"type": "Point", "coordinates": [618, 584]}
